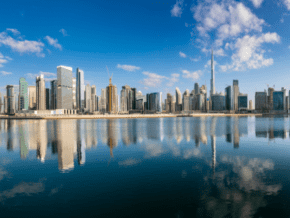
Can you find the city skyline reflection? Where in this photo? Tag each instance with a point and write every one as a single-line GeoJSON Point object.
{"type": "Point", "coordinates": [70, 139]}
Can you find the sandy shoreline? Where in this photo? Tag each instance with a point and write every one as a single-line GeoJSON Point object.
{"type": "Point", "coordinates": [131, 116]}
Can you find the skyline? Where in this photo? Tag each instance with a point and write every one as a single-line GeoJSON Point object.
{"type": "Point", "coordinates": [148, 44]}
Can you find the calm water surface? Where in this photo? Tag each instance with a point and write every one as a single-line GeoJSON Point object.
{"type": "Point", "coordinates": [167, 167]}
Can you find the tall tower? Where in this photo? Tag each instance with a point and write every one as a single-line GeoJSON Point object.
{"type": "Point", "coordinates": [80, 90]}
{"type": "Point", "coordinates": [212, 81]}
{"type": "Point", "coordinates": [40, 93]}
{"type": "Point", "coordinates": [64, 88]}
{"type": "Point", "coordinates": [23, 94]}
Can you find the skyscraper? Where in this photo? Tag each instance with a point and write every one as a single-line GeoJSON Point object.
{"type": "Point", "coordinates": [64, 87]}
{"type": "Point", "coordinates": [127, 98]}
{"type": "Point", "coordinates": [178, 106]}
{"type": "Point", "coordinates": [10, 99]}
{"type": "Point", "coordinates": [185, 101]}
{"type": "Point", "coordinates": [80, 89]}
{"type": "Point", "coordinates": [261, 101]}
{"type": "Point", "coordinates": [212, 81]}
{"type": "Point", "coordinates": [32, 97]}
{"type": "Point", "coordinates": [88, 96]}
{"type": "Point", "coordinates": [47, 98]}
{"type": "Point", "coordinates": [112, 98]}
{"type": "Point", "coordinates": [23, 94]}
{"type": "Point", "coordinates": [134, 92]}
{"type": "Point", "coordinates": [53, 94]}
{"type": "Point", "coordinates": [103, 100]}
{"type": "Point", "coordinates": [40, 93]}
{"type": "Point", "coordinates": [196, 88]}
{"type": "Point", "coordinates": [243, 101]}
{"type": "Point", "coordinates": [74, 88]}
{"type": "Point", "coordinates": [93, 98]}
{"type": "Point", "coordinates": [229, 98]}
{"type": "Point", "coordinates": [236, 94]}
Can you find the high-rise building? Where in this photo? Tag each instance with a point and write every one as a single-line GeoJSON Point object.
{"type": "Point", "coordinates": [229, 98]}
{"type": "Point", "coordinates": [5, 104]}
{"type": "Point", "coordinates": [47, 99]}
{"type": "Point", "coordinates": [40, 93]}
{"type": "Point", "coordinates": [88, 96]}
{"type": "Point", "coordinates": [127, 98]}
{"type": "Point", "coordinates": [218, 102]}
{"type": "Point", "coordinates": [251, 105]}
{"type": "Point", "coordinates": [112, 98]}
{"type": "Point", "coordinates": [261, 100]}
{"type": "Point", "coordinates": [23, 94]}
{"type": "Point", "coordinates": [103, 100]}
{"type": "Point", "coordinates": [10, 99]}
{"type": "Point", "coordinates": [178, 106]}
{"type": "Point", "coordinates": [243, 101]}
{"type": "Point", "coordinates": [279, 100]}
{"type": "Point", "coordinates": [203, 92]}
{"type": "Point", "coordinates": [212, 81]}
{"type": "Point", "coordinates": [185, 100]}
{"type": "Point", "coordinates": [32, 97]}
{"type": "Point", "coordinates": [134, 92]}
{"type": "Point", "coordinates": [93, 98]}
{"type": "Point", "coordinates": [53, 94]}
{"type": "Point", "coordinates": [236, 93]}
{"type": "Point", "coordinates": [64, 87]}
{"type": "Point", "coordinates": [96, 103]}
{"type": "Point", "coordinates": [80, 90]}
{"type": "Point", "coordinates": [74, 89]}
{"type": "Point", "coordinates": [196, 88]}
{"type": "Point", "coordinates": [154, 101]}
{"type": "Point", "coordinates": [270, 98]}
{"type": "Point", "coordinates": [169, 107]}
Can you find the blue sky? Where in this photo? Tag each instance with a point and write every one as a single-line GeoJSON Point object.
{"type": "Point", "coordinates": [150, 45]}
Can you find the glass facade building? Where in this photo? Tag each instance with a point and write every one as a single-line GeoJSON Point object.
{"type": "Point", "coordinates": [243, 102]}
{"type": "Point", "coordinates": [64, 87]}
{"type": "Point", "coordinates": [23, 94]}
{"type": "Point", "coordinates": [218, 102]}
{"type": "Point", "coordinates": [278, 100]}
{"type": "Point", "coordinates": [53, 91]}
{"type": "Point", "coordinates": [80, 90]}
{"type": "Point", "coordinates": [154, 101]}
{"type": "Point", "coordinates": [229, 98]}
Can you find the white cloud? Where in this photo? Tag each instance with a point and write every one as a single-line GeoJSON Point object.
{"type": "Point", "coordinates": [287, 4]}
{"type": "Point", "coordinates": [22, 46]}
{"type": "Point", "coordinates": [64, 32]}
{"type": "Point", "coordinates": [4, 59]}
{"type": "Point", "coordinates": [4, 73]}
{"type": "Point", "coordinates": [53, 42]}
{"type": "Point", "coordinates": [128, 67]}
{"type": "Point", "coordinates": [14, 31]}
{"type": "Point", "coordinates": [249, 53]}
{"type": "Point", "coordinates": [47, 76]}
{"type": "Point", "coordinates": [153, 79]}
{"type": "Point", "coordinates": [228, 25]}
{"type": "Point", "coordinates": [181, 54]}
{"type": "Point", "coordinates": [257, 3]}
{"type": "Point", "coordinates": [191, 75]}
{"type": "Point", "coordinates": [176, 11]}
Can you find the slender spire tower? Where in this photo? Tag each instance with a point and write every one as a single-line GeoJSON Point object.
{"type": "Point", "coordinates": [212, 81]}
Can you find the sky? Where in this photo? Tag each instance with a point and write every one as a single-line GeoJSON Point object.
{"type": "Point", "coordinates": [154, 46]}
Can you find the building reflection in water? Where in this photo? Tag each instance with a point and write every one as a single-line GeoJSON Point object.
{"type": "Point", "coordinates": [42, 140]}
{"type": "Point", "coordinates": [213, 147]}
{"type": "Point", "coordinates": [271, 127]}
{"type": "Point", "coordinates": [81, 144]}
{"type": "Point", "coordinates": [66, 143]}
{"type": "Point", "coordinates": [129, 131]}
{"type": "Point", "coordinates": [23, 136]}
{"type": "Point", "coordinates": [236, 133]}
{"type": "Point", "coordinates": [229, 129]}
{"type": "Point", "coordinates": [112, 141]}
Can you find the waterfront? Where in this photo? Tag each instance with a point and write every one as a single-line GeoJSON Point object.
{"type": "Point", "coordinates": [163, 167]}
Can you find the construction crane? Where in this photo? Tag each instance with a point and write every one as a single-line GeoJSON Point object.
{"type": "Point", "coordinates": [110, 78]}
